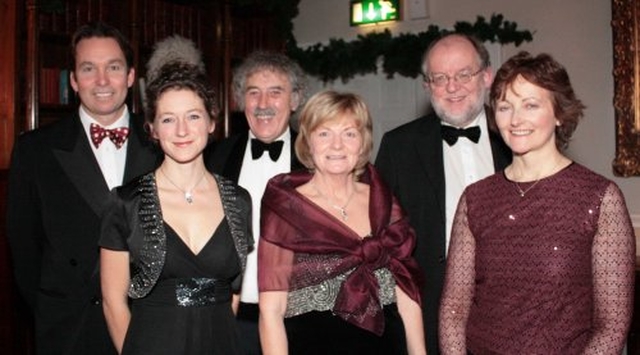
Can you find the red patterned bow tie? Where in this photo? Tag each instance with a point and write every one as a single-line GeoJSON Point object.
{"type": "Point", "coordinates": [117, 135]}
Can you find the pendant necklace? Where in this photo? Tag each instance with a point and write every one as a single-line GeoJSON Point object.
{"type": "Point", "coordinates": [522, 192]}
{"type": "Point", "coordinates": [341, 209]}
{"type": "Point", "coordinates": [188, 194]}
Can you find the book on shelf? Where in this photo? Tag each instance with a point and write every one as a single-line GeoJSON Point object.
{"type": "Point", "coordinates": [48, 85]}
{"type": "Point", "coordinates": [54, 86]}
{"type": "Point", "coordinates": [63, 90]}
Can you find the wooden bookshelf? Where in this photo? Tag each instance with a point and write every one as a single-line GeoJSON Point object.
{"type": "Point", "coordinates": [224, 34]}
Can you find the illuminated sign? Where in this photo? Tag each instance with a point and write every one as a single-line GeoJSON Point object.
{"type": "Point", "coordinates": [372, 11]}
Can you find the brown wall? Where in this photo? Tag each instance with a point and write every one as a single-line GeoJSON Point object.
{"type": "Point", "coordinates": [14, 330]}
{"type": "Point", "coordinates": [7, 79]}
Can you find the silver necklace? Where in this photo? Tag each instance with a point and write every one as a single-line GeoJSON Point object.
{"type": "Point", "coordinates": [341, 209]}
{"type": "Point", "coordinates": [188, 194]}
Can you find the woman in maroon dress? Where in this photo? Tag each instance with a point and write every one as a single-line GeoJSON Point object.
{"type": "Point", "coordinates": [542, 254]}
{"type": "Point", "coordinates": [335, 250]}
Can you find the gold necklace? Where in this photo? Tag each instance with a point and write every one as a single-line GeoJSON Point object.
{"type": "Point", "coordinates": [341, 209]}
{"type": "Point", "coordinates": [522, 192]}
{"type": "Point", "coordinates": [188, 194]}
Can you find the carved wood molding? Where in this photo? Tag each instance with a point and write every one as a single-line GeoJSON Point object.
{"type": "Point", "coordinates": [626, 62]}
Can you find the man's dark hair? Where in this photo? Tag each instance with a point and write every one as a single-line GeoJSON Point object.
{"type": "Point", "coordinates": [100, 29]}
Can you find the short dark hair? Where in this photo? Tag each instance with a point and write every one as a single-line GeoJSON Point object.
{"type": "Point", "coordinates": [272, 61]}
{"type": "Point", "coordinates": [98, 29]}
{"type": "Point", "coordinates": [547, 73]}
{"type": "Point", "coordinates": [180, 76]}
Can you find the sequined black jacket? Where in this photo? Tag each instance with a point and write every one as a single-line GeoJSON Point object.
{"type": "Point", "coordinates": [138, 209]}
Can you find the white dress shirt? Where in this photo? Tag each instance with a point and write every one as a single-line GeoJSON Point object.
{"type": "Point", "coordinates": [465, 163]}
{"type": "Point", "coordinates": [254, 176]}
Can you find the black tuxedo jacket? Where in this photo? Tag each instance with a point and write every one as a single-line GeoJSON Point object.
{"type": "Point", "coordinates": [410, 160]}
{"type": "Point", "coordinates": [225, 158]}
{"type": "Point", "coordinates": [56, 197]}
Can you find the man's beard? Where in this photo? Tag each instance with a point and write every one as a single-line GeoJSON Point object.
{"type": "Point", "coordinates": [458, 120]}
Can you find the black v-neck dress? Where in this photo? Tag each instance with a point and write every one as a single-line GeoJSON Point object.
{"type": "Point", "coordinates": [162, 324]}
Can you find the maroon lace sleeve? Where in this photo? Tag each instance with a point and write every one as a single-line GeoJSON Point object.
{"type": "Point", "coordinates": [458, 286]}
{"type": "Point", "coordinates": [613, 260]}
{"type": "Point", "coordinates": [612, 275]}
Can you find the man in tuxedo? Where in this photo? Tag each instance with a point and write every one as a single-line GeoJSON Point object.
{"type": "Point", "coordinates": [59, 181]}
{"type": "Point", "coordinates": [429, 161]}
{"type": "Point", "coordinates": [268, 87]}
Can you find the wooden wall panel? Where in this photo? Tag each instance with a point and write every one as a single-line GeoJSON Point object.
{"type": "Point", "coordinates": [8, 79]}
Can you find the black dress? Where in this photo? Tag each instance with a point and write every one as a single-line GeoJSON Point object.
{"type": "Point", "coordinates": [160, 325]}
{"type": "Point", "coordinates": [321, 333]}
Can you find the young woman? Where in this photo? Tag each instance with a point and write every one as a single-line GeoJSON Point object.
{"type": "Point", "coordinates": [174, 242]}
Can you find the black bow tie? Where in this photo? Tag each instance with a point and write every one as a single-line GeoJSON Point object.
{"type": "Point", "coordinates": [451, 134]}
{"type": "Point", "coordinates": [258, 147]}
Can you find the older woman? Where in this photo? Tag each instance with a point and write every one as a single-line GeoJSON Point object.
{"type": "Point", "coordinates": [175, 241]}
{"type": "Point", "coordinates": [542, 255]}
{"type": "Point", "coordinates": [335, 250]}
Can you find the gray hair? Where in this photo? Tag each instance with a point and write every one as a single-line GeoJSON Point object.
{"type": "Point", "coordinates": [483, 54]}
{"type": "Point", "coordinates": [272, 61]}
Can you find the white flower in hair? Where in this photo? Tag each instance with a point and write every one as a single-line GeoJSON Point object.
{"type": "Point", "coordinates": [173, 49]}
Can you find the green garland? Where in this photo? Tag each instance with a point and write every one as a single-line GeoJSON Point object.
{"type": "Point", "coordinates": [400, 55]}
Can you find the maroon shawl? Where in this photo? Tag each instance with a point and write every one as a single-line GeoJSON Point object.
{"type": "Point", "coordinates": [302, 245]}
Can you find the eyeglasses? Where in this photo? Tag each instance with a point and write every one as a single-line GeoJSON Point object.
{"type": "Point", "coordinates": [462, 77]}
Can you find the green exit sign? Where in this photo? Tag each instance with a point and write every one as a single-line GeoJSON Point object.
{"type": "Point", "coordinates": [372, 11]}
